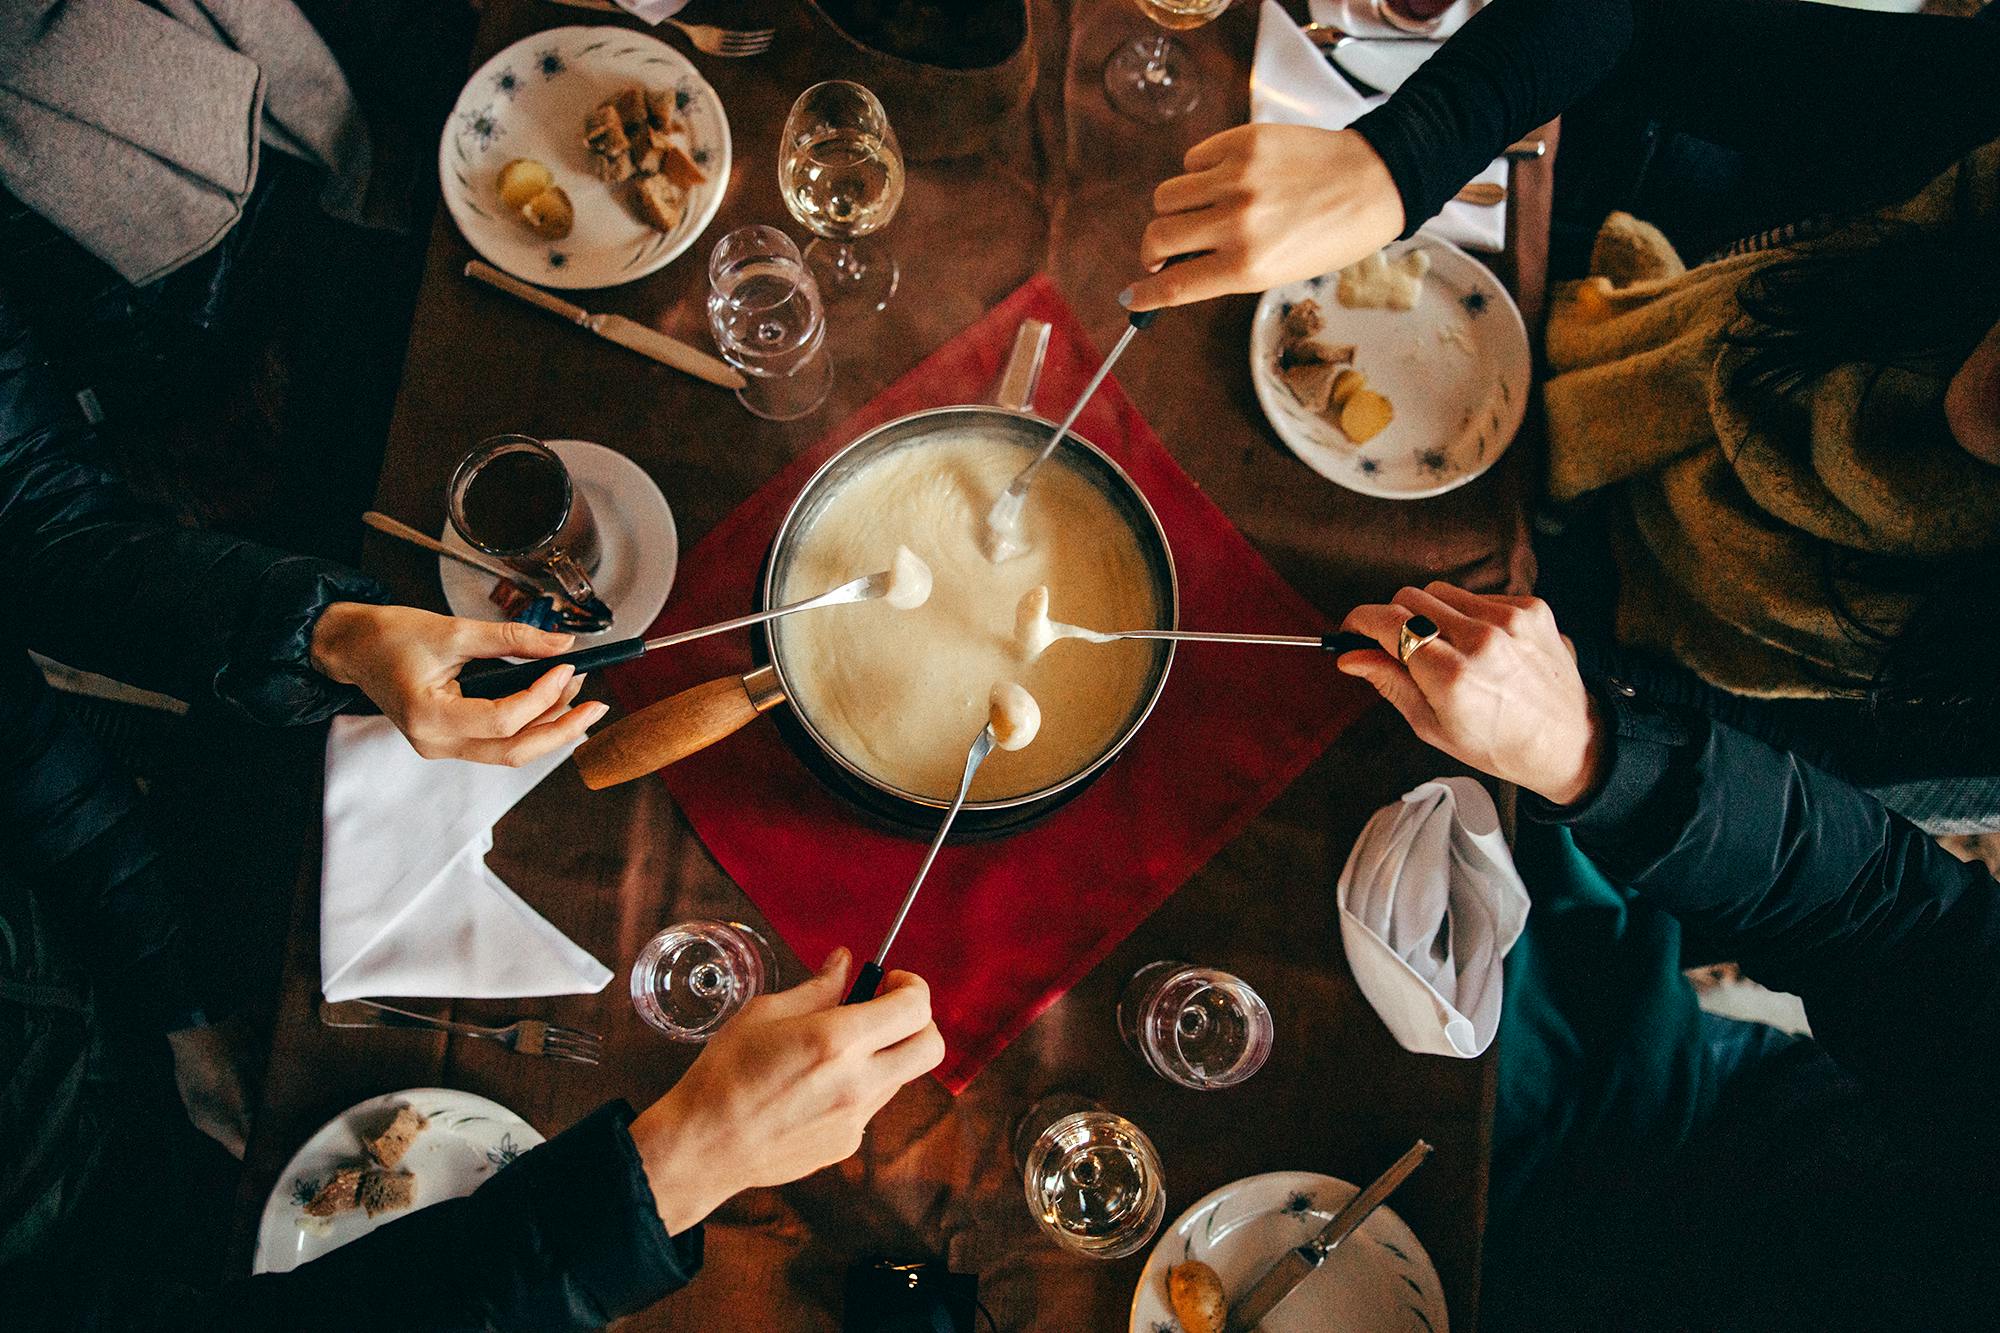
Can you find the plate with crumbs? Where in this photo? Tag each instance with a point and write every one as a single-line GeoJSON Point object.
{"type": "Point", "coordinates": [1447, 379]}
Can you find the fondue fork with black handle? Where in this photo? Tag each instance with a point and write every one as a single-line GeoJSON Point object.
{"type": "Point", "coordinates": [496, 679]}
{"type": "Point", "coordinates": [869, 979]}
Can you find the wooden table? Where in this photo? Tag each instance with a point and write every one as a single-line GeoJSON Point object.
{"type": "Point", "coordinates": [1064, 192]}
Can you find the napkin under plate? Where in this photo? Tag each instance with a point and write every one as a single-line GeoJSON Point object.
{"type": "Point", "coordinates": [408, 905]}
{"type": "Point", "coordinates": [1430, 903]}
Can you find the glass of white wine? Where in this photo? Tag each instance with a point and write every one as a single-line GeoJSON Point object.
{"type": "Point", "coordinates": [1092, 1178]}
{"type": "Point", "coordinates": [1152, 78]}
{"type": "Point", "coordinates": [840, 171]}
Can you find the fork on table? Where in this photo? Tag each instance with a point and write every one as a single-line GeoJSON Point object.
{"type": "Point", "coordinates": [707, 38]}
{"type": "Point", "coordinates": [528, 1036]}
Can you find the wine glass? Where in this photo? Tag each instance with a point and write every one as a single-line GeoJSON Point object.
{"type": "Point", "coordinates": [1152, 78]}
{"type": "Point", "coordinates": [1092, 1178]}
{"type": "Point", "coordinates": [1195, 1026]}
{"type": "Point", "coordinates": [692, 977]}
{"type": "Point", "coordinates": [764, 309]}
{"type": "Point", "coordinates": [840, 171]}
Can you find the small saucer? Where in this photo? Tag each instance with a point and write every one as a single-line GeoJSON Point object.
{"type": "Point", "coordinates": [635, 529]}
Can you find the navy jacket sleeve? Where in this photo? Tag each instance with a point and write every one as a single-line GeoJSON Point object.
{"type": "Point", "coordinates": [112, 587]}
{"type": "Point", "coordinates": [1893, 944]}
{"type": "Point", "coordinates": [565, 1239]}
{"type": "Point", "coordinates": [1865, 106]}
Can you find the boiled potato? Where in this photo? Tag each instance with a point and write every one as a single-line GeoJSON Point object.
{"type": "Point", "coordinates": [1364, 415]}
{"type": "Point", "coordinates": [550, 213]}
{"type": "Point", "coordinates": [523, 179]}
{"type": "Point", "coordinates": [1195, 1292]}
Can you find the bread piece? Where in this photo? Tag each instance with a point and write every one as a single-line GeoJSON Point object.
{"type": "Point", "coordinates": [660, 111]}
{"type": "Point", "coordinates": [1345, 385]}
{"type": "Point", "coordinates": [1302, 321]}
{"type": "Point", "coordinates": [550, 213]}
{"type": "Point", "coordinates": [1195, 1292]}
{"type": "Point", "coordinates": [661, 202]}
{"type": "Point", "coordinates": [610, 148]}
{"type": "Point", "coordinates": [679, 168]}
{"type": "Point", "coordinates": [1311, 382]}
{"type": "Point", "coordinates": [630, 103]}
{"type": "Point", "coordinates": [389, 1146]}
{"type": "Point", "coordinates": [337, 1195]}
{"type": "Point", "coordinates": [386, 1191]}
{"type": "Point", "coordinates": [1364, 415]}
{"type": "Point", "coordinates": [523, 179]}
{"type": "Point", "coordinates": [648, 146]}
{"type": "Point", "coordinates": [1379, 283]}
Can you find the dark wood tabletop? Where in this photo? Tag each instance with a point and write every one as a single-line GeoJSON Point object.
{"type": "Point", "coordinates": [1063, 191]}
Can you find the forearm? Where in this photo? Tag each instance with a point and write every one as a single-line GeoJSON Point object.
{"type": "Point", "coordinates": [565, 1239]}
{"type": "Point", "coordinates": [1893, 944]}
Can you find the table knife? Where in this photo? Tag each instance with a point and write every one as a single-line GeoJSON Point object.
{"type": "Point", "coordinates": [1282, 1278]}
{"type": "Point", "coordinates": [627, 333]}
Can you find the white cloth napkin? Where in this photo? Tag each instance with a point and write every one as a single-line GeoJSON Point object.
{"type": "Point", "coordinates": [407, 904]}
{"type": "Point", "coordinates": [652, 11]}
{"type": "Point", "coordinates": [1291, 83]}
{"type": "Point", "coordinates": [1430, 903]}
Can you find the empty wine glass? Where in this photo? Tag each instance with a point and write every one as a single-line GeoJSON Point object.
{"type": "Point", "coordinates": [764, 309]}
{"type": "Point", "coordinates": [1092, 1178]}
{"type": "Point", "coordinates": [1195, 1026]}
{"type": "Point", "coordinates": [840, 171]}
{"type": "Point", "coordinates": [692, 977]}
{"type": "Point", "coordinates": [1152, 78]}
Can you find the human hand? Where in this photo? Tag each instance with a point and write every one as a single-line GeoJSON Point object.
{"type": "Point", "coordinates": [1497, 689]}
{"type": "Point", "coordinates": [785, 1088]}
{"type": "Point", "coordinates": [407, 661]}
{"type": "Point", "coordinates": [211, 1085]}
{"type": "Point", "coordinates": [1263, 205]}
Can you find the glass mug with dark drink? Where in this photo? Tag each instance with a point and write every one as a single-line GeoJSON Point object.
{"type": "Point", "coordinates": [512, 498]}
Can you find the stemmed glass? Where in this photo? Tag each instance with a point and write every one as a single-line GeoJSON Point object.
{"type": "Point", "coordinates": [692, 977]}
{"type": "Point", "coordinates": [764, 309]}
{"type": "Point", "coordinates": [1153, 78]}
{"type": "Point", "coordinates": [1195, 1026]}
{"type": "Point", "coordinates": [840, 171]}
{"type": "Point", "coordinates": [1092, 1178]}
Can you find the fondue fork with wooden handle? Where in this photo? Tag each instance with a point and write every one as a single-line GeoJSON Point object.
{"type": "Point", "coordinates": [870, 977]}
{"type": "Point", "coordinates": [496, 679]}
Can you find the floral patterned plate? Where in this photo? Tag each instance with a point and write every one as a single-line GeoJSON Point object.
{"type": "Point", "coordinates": [1456, 369]}
{"type": "Point", "coordinates": [530, 101]}
{"type": "Point", "coordinates": [467, 1140]}
{"type": "Point", "coordinates": [1379, 1279]}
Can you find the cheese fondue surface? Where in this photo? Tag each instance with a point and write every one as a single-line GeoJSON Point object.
{"type": "Point", "coordinates": [901, 694]}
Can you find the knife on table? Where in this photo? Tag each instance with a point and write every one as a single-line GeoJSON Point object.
{"type": "Point", "coordinates": [1282, 1278]}
{"type": "Point", "coordinates": [628, 333]}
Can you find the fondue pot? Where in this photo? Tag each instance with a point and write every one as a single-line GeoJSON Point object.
{"type": "Point", "coordinates": [681, 724]}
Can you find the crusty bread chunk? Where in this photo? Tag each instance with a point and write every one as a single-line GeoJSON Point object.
{"type": "Point", "coordinates": [1311, 382]}
{"type": "Point", "coordinates": [610, 148]}
{"type": "Point", "coordinates": [679, 168]}
{"type": "Point", "coordinates": [389, 1146]}
{"type": "Point", "coordinates": [337, 1195]}
{"type": "Point", "coordinates": [1302, 321]}
{"type": "Point", "coordinates": [386, 1191]}
{"type": "Point", "coordinates": [661, 202]}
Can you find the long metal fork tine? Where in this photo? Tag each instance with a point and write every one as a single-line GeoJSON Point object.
{"type": "Point", "coordinates": [563, 1051]}
{"type": "Point", "coordinates": [575, 1034]}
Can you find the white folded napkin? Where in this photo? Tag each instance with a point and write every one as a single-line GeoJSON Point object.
{"type": "Point", "coordinates": [1430, 903]}
{"type": "Point", "coordinates": [1291, 83]}
{"type": "Point", "coordinates": [407, 904]}
{"type": "Point", "coordinates": [652, 11]}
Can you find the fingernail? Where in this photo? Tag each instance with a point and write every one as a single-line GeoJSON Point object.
{"type": "Point", "coordinates": [1157, 267]}
{"type": "Point", "coordinates": [838, 958]}
{"type": "Point", "coordinates": [1125, 298]}
{"type": "Point", "coordinates": [602, 708]}
{"type": "Point", "coordinates": [582, 680]}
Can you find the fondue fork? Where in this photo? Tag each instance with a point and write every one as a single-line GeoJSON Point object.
{"type": "Point", "coordinates": [1003, 520]}
{"type": "Point", "coordinates": [870, 977]}
{"type": "Point", "coordinates": [1343, 641]}
{"type": "Point", "coordinates": [496, 678]}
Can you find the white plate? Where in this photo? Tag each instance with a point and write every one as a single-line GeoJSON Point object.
{"type": "Point", "coordinates": [640, 547]}
{"type": "Point", "coordinates": [467, 1140]}
{"type": "Point", "coordinates": [530, 101]}
{"type": "Point", "coordinates": [1456, 369]}
{"type": "Point", "coordinates": [1383, 65]}
{"type": "Point", "coordinates": [1379, 1279]}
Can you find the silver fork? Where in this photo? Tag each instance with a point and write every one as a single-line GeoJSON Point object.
{"type": "Point", "coordinates": [707, 38]}
{"type": "Point", "coordinates": [528, 1036]}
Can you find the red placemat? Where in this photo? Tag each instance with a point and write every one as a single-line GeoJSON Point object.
{"type": "Point", "coordinates": [1004, 928]}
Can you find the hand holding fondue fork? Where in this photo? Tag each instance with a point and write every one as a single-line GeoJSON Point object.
{"type": "Point", "coordinates": [1034, 632]}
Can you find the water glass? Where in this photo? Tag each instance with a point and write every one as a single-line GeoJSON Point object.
{"type": "Point", "coordinates": [692, 977]}
{"type": "Point", "coordinates": [1092, 1178]}
{"type": "Point", "coordinates": [1195, 1026]}
{"type": "Point", "coordinates": [1152, 78]}
{"type": "Point", "coordinates": [764, 309]}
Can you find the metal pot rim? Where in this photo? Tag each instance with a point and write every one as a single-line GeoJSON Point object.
{"type": "Point", "coordinates": [768, 592]}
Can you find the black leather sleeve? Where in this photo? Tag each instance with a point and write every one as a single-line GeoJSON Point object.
{"type": "Point", "coordinates": [1801, 89]}
{"type": "Point", "coordinates": [1893, 944]}
{"type": "Point", "coordinates": [103, 583]}
{"type": "Point", "coordinates": [566, 1239]}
